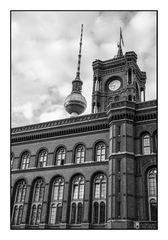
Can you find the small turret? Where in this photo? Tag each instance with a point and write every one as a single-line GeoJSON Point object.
{"type": "Point", "coordinates": [75, 103]}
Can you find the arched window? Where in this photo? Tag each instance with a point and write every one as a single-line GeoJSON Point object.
{"type": "Point", "coordinates": [60, 156]}
{"type": "Point", "coordinates": [25, 160]}
{"type": "Point", "coordinates": [56, 201]}
{"type": "Point", "coordinates": [42, 158]}
{"type": "Point", "coordinates": [152, 193]}
{"type": "Point", "coordinates": [77, 197]}
{"type": "Point", "coordinates": [100, 152]}
{"type": "Point", "coordinates": [37, 201]}
{"type": "Point", "coordinates": [19, 202]}
{"type": "Point", "coordinates": [12, 161]}
{"type": "Point", "coordinates": [99, 199]}
{"type": "Point", "coordinates": [80, 154]}
{"type": "Point", "coordinates": [146, 144]}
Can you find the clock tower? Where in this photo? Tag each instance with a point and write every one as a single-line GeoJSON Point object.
{"type": "Point", "coordinates": [118, 88]}
{"type": "Point", "coordinates": [117, 79]}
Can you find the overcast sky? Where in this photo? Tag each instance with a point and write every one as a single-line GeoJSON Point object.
{"type": "Point", "coordinates": [45, 46]}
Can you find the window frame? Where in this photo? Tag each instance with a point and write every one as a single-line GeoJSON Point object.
{"type": "Point", "coordinates": [37, 202]}
{"type": "Point", "coordinates": [25, 160]}
{"type": "Point", "coordinates": [102, 155]}
{"type": "Point", "coordinates": [56, 202]}
{"type": "Point", "coordinates": [77, 203]}
{"type": "Point", "coordinates": [146, 144]}
{"type": "Point", "coordinates": [42, 159]}
{"type": "Point", "coordinates": [79, 156]}
{"type": "Point", "coordinates": [99, 199]}
{"type": "Point", "coordinates": [61, 151]}
{"type": "Point", "coordinates": [19, 200]}
{"type": "Point", "coordinates": [152, 195]}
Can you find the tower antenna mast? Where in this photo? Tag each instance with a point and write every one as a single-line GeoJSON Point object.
{"type": "Point", "coordinates": [79, 55]}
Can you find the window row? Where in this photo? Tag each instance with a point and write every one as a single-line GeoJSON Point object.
{"type": "Point", "coordinates": [79, 156]}
{"type": "Point", "coordinates": [55, 203]}
{"type": "Point", "coordinates": [98, 203]}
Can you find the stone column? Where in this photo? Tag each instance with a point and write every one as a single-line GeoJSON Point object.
{"type": "Point", "coordinates": [45, 207]}
{"type": "Point", "coordinates": [121, 184]}
{"type": "Point", "coordinates": [64, 220]}
{"type": "Point", "coordinates": [86, 206]}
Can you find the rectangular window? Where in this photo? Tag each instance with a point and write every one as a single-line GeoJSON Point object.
{"type": "Point", "coordinates": [23, 194]}
{"type": "Point", "coordinates": [19, 194]}
{"type": "Point", "coordinates": [103, 157]}
{"type": "Point", "coordinates": [81, 192]}
{"type": "Point", "coordinates": [146, 144]}
{"type": "Point", "coordinates": [59, 160]}
{"type": "Point", "coordinates": [23, 164]}
{"type": "Point", "coordinates": [103, 193]}
{"type": "Point", "coordinates": [38, 214]}
{"type": "Point", "coordinates": [61, 192]}
{"type": "Point", "coordinates": [33, 216]}
{"type": "Point", "coordinates": [147, 150]}
{"type": "Point", "coordinates": [53, 214]}
{"type": "Point", "coordinates": [55, 195]}
{"type": "Point", "coordinates": [152, 189]}
{"type": "Point", "coordinates": [59, 213]}
{"type": "Point", "coordinates": [75, 192]}
{"type": "Point", "coordinates": [98, 151]}
{"type": "Point", "coordinates": [41, 194]}
{"type": "Point", "coordinates": [97, 190]}
{"type": "Point", "coordinates": [36, 195]}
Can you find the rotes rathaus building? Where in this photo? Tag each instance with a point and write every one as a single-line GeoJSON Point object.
{"type": "Point", "coordinates": [95, 171]}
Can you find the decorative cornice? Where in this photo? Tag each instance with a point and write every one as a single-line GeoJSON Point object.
{"type": "Point", "coordinates": [147, 104]}
{"type": "Point", "coordinates": [58, 123]}
{"type": "Point", "coordinates": [133, 105]}
{"type": "Point", "coordinates": [124, 110]}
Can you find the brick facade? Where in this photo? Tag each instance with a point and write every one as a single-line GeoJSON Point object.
{"type": "Point", "coordinates": [120, 126]}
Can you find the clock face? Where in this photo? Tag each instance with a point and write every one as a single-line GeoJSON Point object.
{"type": "Point", "coordinates": [114, 85]}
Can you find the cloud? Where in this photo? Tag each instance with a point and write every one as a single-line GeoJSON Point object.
{"type": "Point", "coordinates": [45, 49]}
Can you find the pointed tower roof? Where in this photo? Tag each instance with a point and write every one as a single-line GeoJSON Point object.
{"type": "Point", "coordinates": [121, 42]}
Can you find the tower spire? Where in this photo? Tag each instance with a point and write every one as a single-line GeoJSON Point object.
{"type": "Point", "coordinates": [121, 42]}
{"type": "Point", "coordinates": [79, 55]}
